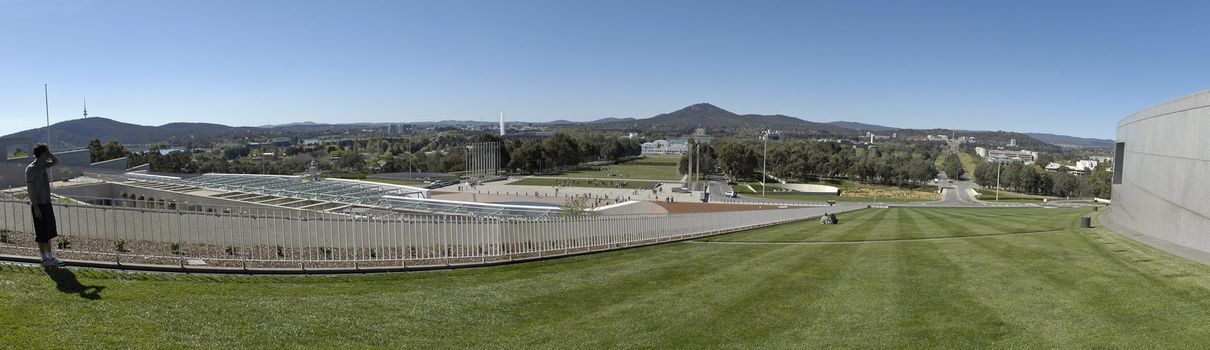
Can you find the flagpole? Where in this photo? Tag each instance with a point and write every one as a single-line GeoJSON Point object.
{"type": "Point", "coordinates": [46, 101]}
{"type": "Point", "coordinates": [46, 104]}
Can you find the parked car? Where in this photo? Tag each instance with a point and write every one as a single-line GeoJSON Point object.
{"type": "Point", "coordinates": [730, 194]}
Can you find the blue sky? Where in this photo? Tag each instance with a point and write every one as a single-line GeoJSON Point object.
{"type": "Point", "coordinates": [1040, 66]}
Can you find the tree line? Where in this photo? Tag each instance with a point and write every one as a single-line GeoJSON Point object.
{"type": "Point", "coordinates": [904, 163]}
{"type": "Point", "coordinates": [1033, 179]}
{"type": "Point", "coordinates": [439, 153]}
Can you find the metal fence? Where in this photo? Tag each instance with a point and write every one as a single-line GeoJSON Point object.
{"type": "Point", "coordinates": [271, 238]}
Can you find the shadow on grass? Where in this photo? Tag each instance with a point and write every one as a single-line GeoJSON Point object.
{"type": "Point", "coordinates": [66, 282]}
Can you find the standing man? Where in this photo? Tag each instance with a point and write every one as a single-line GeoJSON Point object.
{"type": "Point", "coordinates": [38, 184]}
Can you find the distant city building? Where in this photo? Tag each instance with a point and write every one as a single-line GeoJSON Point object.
{"type": "Point", "coordinates": [1012, 142]}
{"type": "Point", "coordinates": [275, 142]}
{"type": "Point", "coordinates": [664, 147]}
{"type": "Point", "coordinates": [873, 136]}
{"type": "Point", "coordinates": [1006, 156]}
{"type": "Point", "coordinates": [938, 138]}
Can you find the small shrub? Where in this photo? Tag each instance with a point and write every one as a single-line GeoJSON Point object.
{"type": "Point", "coordinates": [230, 251]}
{"type": "Point", "coordinates": [4, 236]}
{"type": "Point", "coordinates": [119, 246]}
{"type": "Point", "coordinates": [176, 248]}
{"type": "Point", "coordinates": [327, 252]}
{"type": "Point", "coordinates": [372, 255]}
{"type": "Point", "coordinates": [280, 252]}
{"type": "Point", "coordinates": [64, 243]}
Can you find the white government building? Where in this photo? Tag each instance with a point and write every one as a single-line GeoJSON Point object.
{"type": "Point", "coordinates": [999, 155]}
{"type": "Point", "coordinates": [663, 147]}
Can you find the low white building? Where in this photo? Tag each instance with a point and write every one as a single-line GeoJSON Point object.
{"type": "Point", "coordinates": [663, 147]}
{"type": "Point", "coordinates": [1086, 165]}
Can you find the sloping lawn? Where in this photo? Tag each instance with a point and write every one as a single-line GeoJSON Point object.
{"type": "Point", "coordinates": [882, 278]}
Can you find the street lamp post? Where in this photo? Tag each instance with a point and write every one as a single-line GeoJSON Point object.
{"type": "Point", "coordinates": [998, 180]}
{"type": "Point", "coordinates": [689, 166]}
{"type": "Point", "coordinates": [764, 162]}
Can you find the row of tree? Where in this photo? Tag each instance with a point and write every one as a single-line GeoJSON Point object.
{"type": "Point", "coordinates": [442, 153]}
{"type": "Point", "coordinates": [909, 163]}
{"type": "Point", "coordinates": [563, 151]}
{"type": "Point", "coordinates": [1033, 179]}
{"type": "Point", "coordinates": [952, 165]}
{"type": "Point", "coordinates": [98, 152]}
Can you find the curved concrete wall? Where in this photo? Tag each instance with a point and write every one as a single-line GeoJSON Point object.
{"type": "Point", "coordinates": [1164, 190]}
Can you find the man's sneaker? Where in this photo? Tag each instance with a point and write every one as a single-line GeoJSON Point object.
{"type": "Point", "coordinates": [52, 263]}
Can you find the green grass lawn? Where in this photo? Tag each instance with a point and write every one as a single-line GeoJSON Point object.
{"type": "Point", "coordinates": [647, 168]}
{"type": "Point", "coordinates": [572, 182]}
{"type": "Point", "coordinates": [1005, 196]}
{"type": "Point", "coordinates": [1068, 288]}
{"type": "Point", "coordinates": [849, 187]}
{"type": "Point", "coordinates": [796, 196]}
{"type": "Point", "coordinates": [915, 223]}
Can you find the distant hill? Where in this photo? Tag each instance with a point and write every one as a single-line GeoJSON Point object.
{"type": "Point", "coordinates": [612, 120]}
{"type": "Point", "coordinates": [862, 126]}
{"type": "Point", "coordinates": [77, 133]}
{"type": "Point", "coordinates": [720, 121]}
{"type": "Point", "coordinates": [717, 122]}
{"type": "Point", "coordinates": [1071, 141]}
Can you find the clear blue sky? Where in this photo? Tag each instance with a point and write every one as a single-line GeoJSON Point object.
{"type": "Point", "coordinates": [1047, 66]}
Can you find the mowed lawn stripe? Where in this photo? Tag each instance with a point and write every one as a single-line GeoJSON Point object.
{"type": "Point", "coordinates": [964, 224]}
{"type": "Point", "coordinates": [1003, 220]}
{"type": "Point", "coordinates": [851, 309]}
{"type": "Point", "coordinates": [1015, 219]}
{"type": "Point", "coordinates": [910, 228]}
{"type": "Point", "coordinates": [931, 305]}
{"type": "Point", "coordinates": [913, 223]}
{"type": "Point", "coordinates": [605, 314]}
{"type": "Point", "coordinates": [763, 305]}
{"type": "Point", "coordinates": [1088, 295]}
{"type": "Point", "coordinates": [801, 230]}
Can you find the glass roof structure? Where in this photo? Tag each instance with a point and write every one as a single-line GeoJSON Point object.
{"type": "Point", "coordinates": [332, 190]}
{"type": "Point", "coordinates": [438, 206]}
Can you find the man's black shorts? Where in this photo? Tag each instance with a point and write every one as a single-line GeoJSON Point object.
{"type": "Point", "coordinates": [44, 229]}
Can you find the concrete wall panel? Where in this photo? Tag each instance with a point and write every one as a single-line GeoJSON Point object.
{"type": "Point", "coordinates": [1165, 187]}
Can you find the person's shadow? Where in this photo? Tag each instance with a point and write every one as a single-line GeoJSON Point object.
{"type": "Point", "coordinates": [67, 282]}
